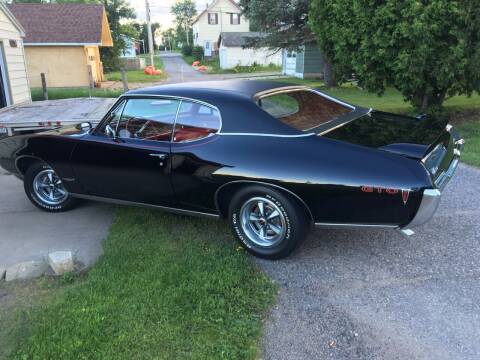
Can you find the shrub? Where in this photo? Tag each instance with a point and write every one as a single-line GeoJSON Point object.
{"type": "Point", "coordinates": [197, 53]}
{"type": "Point", "coordinates": [187, 50]}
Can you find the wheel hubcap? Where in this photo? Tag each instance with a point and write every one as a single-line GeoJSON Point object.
{"type": "Point", "coordinates": [49, 188]}
{"type": "Point", "coordinates": [263, 222]}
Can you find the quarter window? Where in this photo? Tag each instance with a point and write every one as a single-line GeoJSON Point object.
{"type": "Point", "coordinates": [195, 121]}
{"type": "Point", "coordinates": [113, 117]}
{"type": "Point", "coordinates": [148, 119]}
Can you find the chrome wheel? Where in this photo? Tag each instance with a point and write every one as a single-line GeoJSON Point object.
{"type": "Point", "coordinates": [263, 222]}
{"type": "Point", "coordinates": [48, 187]}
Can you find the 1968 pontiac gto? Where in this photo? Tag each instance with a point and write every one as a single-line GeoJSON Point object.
{"type": "Point", "coordinates": [271, 158]}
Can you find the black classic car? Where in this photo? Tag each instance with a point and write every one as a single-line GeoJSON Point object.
{"type": "Point", "coordinates": [271, 158]}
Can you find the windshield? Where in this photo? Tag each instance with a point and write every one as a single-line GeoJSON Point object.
{"type": "Point", "coordinates": [303, 109]}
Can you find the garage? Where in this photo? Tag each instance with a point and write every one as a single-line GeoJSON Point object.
{"type": "Point", "coordinates": [14, 87]}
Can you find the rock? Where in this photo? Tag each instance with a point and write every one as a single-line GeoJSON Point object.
{"type": "Point", "coordinates": [61, 262]}
{"type": "Point", "coordinates": [26, 270]}
{"type": "Point", "coordinates": [2, 273]}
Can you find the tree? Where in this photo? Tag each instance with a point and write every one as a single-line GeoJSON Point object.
{"type": "Point", "coordinates": [286, 25]}
{"type": "Point", "coordinates": [284, 21]}
{"type": "Point", "coordinates": [428, 50]}
{"type": "Point", "coordinates": [117, 12]}
{"type": "Point", "coordinates": [142, 30]}
{"type": "Point", "coordinates": [184, 12]}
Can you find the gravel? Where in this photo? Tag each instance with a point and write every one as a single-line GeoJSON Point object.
{"type": "Point", "coordinates": [357, 294]}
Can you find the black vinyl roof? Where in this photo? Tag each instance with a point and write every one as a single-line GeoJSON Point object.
{"type": "Point", "coordinates": [229, 88]}
{"type": "Point", "coordinates": [233, 98]}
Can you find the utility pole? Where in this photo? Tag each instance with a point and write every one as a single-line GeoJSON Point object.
{"type": "Point", "coordinates": [150, 36]}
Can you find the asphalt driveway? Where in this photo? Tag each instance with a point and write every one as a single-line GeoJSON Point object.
{"type": "Point", "coordinates": [179, 71]}
{"type": "Point", "coordinates": [375, 294]}
{"type": "Point", "coordinates": [27, 233]}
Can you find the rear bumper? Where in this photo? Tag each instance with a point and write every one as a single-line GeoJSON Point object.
{"type": "Point", "coordinates": [431, 197]}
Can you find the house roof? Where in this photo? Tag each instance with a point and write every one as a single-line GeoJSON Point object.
{"type": "Point", "coordinates": [209, 7]}
{"type": "Point", "coordinates": [12, 19]}
{"type": "Point", "coordinates": [237, 39]}
{"type": "Point", "coordinates": [62, 24]}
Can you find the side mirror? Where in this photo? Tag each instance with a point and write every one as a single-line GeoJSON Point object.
{"type": "Point", "coordinates": [110, 132]}
{"type": "Point", "coordinates": [85, 126]}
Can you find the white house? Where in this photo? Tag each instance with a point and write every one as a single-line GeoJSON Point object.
{"type": "Point", "coordinates": [233, 53]}
{"type": "Point", "coordinates": [14, 86]}
{"type": "Point", "coordinates": [219, 17]}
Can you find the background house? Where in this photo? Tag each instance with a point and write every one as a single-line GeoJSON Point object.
{"type": "Point", "coordinates": [62, 41]}
{"type": "Point", "coordinates": [232, 52]}
{"type": "Point", "coordinates": [305, 64]}
{"type": "Point", "coordinates": [132, 47]}
{"type": "Point", "coordinates": [219, 17]}
{"type": "Point", "coordinates": [14, 87]}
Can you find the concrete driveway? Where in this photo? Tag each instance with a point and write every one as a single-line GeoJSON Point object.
{"type": "Point", "coordinates": [379, 295]}
{"type": "Point", "coordinates": [27, 233]}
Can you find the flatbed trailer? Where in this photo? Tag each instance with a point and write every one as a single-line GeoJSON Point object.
{"type": "Point", "coordinates": [50, 114]}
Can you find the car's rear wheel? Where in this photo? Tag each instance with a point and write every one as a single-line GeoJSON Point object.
{"type": "Point", "coordinates": [45, 189]}
{"type": "Point", "coordinates": [266, 222]}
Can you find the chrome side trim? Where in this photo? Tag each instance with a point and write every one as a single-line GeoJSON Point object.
{"type": "Point", "coordinates": [261, 183]}
{"type": "Point", "coordinates": [150, 206]}
{"type": "Point", "coordinates": [269, 135]}
{"type": "Point", "coordinates": [428, 207]}
{"type": "Point", "coordinates": [354, 226]}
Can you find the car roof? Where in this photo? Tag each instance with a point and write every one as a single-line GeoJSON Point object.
{"type": "Point", "coordinates": [223, 88]}
{"type": "Point", "coordinates": [233, 98]}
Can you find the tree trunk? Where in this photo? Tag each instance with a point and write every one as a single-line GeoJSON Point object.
{"type": "Point", "coordinates": [328, 73]}
{"type": "Point", "coordinates": [187, 31]}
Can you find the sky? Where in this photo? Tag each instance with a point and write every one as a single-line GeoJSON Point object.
{"type": "Point", "coordinates": [160, 10]}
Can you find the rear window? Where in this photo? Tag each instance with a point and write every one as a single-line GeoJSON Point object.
{"type": "Point", "coordinates": [302, 109]}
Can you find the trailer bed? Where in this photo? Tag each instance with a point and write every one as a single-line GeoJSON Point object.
{"type": "Point", "coordinates": [42, 115]}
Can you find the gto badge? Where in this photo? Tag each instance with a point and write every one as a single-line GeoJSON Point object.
{"type": "Point", "coordinates": [379, 190]}
{"type": "Point", "coordinates": [405, 196]}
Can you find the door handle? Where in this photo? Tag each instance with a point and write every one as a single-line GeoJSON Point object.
{"type": "Point", "coordinates": [160, 156]}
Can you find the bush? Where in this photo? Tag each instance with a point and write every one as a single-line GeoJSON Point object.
{"type": "Point", "coordinates": [187, 50]}
{"type": "Point", "coordinates": [197, 53]}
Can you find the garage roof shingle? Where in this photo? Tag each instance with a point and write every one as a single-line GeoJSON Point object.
{"type": "Point", "coordinates": [60, 23]}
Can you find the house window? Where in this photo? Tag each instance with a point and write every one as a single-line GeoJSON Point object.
{"type": "Point", "coordinates": [235, 19]}
{"type": "Point", "coordinates": [212, 18]}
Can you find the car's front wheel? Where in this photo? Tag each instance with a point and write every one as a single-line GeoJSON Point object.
{"type": "Point", "coordinates": [266, 222]}
{"type": "Point", "coordinates": [45, 189]}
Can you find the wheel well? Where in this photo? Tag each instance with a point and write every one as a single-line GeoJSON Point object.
{"type": "Point", "coordinates": [25, 162]}
{"type": "Point", "coordinates": [226, 192]}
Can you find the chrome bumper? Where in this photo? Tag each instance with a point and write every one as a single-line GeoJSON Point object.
{"type": "Point", "coordinates": [428, 206]}
{"type": "Point", "coordinates": [431, 197]}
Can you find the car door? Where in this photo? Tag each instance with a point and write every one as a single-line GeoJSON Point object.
{"type": "Point", "coordinates": [127, 157]}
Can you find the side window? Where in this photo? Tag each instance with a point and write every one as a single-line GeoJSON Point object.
{"type": "Point", "coordinates": [148, 119]}
{"type": "Point", "coordinates": [195, 121]}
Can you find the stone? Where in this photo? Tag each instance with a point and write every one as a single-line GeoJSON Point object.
{"type": "Point", "coordinates": [2, 272]}
{"type": "Point", "coordinates": [26, 270]}
{"type": "Point", "coordinates": [61, 262]}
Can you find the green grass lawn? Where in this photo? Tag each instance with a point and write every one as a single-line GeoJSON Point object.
{"type": "Point", "coordinates": [214, 67]}
{"type": "Point", "coordinates": [139, 75]}
{"type": "Point", "coordinates": [167, 287]}
{"type": "Point", "coordinates": [391, 100]}
{"type": "Point", "coordinates": [470, 131]}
